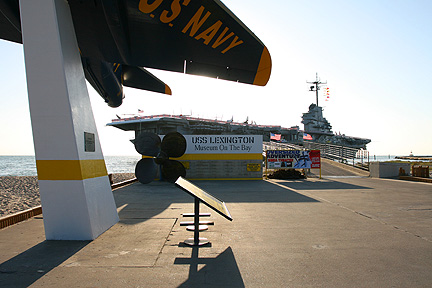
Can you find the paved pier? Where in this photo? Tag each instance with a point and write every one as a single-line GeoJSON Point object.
{"type": "Point", "coordinates": [333, 232]}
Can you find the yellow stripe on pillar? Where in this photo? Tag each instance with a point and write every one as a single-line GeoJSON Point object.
{"type": "Point", "coordinates": [70, 169]}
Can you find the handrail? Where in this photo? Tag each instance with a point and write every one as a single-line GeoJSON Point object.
{"type": "Point", "coordinates": [328, 151]}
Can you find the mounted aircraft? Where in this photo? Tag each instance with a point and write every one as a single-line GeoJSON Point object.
{"type": "Point", "coordinates": [117, 38]}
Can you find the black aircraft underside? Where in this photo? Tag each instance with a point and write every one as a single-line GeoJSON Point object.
{"type": "Point", "coordinates": [117, 38]}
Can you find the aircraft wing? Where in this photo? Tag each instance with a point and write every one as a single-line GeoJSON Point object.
{"type": "Point", "coordinates": [196, 37]}
{"type": "Point", "coordinates": [200, 37]}
{"type": "Point", "coordinates": [10, 23]}
{"type": "Point", "coordinates": [140, 78]}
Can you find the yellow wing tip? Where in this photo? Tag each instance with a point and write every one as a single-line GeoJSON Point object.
{"type": "Point", "coordinates": [168, 90]}
{"type": "Point", "coordinates": [264, 69]}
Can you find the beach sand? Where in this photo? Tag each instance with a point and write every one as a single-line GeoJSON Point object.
{"type": "Point", "coordinates": [18, 193]}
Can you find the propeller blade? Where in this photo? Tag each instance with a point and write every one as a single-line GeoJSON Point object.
{"type": "Point", "coordinates": [174, 144]}
{"type": "Point", "coordinates": [147, 144]}
{"type": "Point", "coordinates": [161, 158]}
{"type": "Point", "coordinates": [145, 170]}
{"type": "Point", "coordinates": [172, 169]}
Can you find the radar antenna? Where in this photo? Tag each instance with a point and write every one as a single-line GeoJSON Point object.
{"type": "Point", "coordinates": [315, 88]}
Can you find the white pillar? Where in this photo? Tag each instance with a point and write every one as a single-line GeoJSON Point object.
{"type": "Point", "coordinates": [76, 196]}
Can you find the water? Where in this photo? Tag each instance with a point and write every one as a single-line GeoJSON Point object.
{"type": "Point", "coordinates": [121, 164]}
{"type": "Point", "coordinates": [17, 166]}
{"type": "Point", "coordinates": [26, 165]}
{"type": "Point", "coordinates": [384, 158]}
{"type": "Point", "coordinates": [380, 158]}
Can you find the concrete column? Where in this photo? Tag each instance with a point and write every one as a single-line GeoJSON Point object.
{"type": "Point", "coordinates": [76, 196]}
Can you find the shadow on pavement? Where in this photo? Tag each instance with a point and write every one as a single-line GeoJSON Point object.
{"type": "Point", "coordinates": [27, 267]}
{"type": "Point", "coordinates": [252, 192]}
{"type": "Point", "coordinates": [325, 184]}
{"type": "Point", "coordinates": [139, 201]}
{"type": "Point", "coordinates": [221, 271]}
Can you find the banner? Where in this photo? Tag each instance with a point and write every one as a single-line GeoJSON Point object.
{"type": "Point", "coordinates": [293, 159]}
{"type": "Point", "coordinates": [223, 144]}
{"type": "Point", "coordinates": [315, 156]}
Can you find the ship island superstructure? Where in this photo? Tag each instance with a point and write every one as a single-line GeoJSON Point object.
{"type": "Point", "coordinates": [316, 125]}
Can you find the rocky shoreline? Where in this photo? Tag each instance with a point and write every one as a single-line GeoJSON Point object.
{"type": "Point", "coordinates": [19, 193]}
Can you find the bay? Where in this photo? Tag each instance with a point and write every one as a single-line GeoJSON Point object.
{"type": "Point", "coordinates": [26, 165]}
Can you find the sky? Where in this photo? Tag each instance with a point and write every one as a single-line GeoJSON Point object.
{"type": "Point", "coordinates": [376, 56]}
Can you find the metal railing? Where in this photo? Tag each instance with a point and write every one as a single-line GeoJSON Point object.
{"type": "Point", "coordinates": [280, 146]}
{"type": "Point", "coordinates": [339, 153]}
{"type": "Point", "coordinates": [333, 152]}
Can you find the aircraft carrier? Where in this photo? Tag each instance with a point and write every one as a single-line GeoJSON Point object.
{"type": "Point", "coordinates": [315, 125]}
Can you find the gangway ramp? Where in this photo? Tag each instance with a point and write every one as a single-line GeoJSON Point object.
{"type": "Point", "coordinates": [331, 168]}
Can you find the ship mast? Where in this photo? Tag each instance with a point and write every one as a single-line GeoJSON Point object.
{"type": "Point", "coordinates": [317, 84]}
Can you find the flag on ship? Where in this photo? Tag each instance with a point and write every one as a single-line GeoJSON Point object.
{"type": "Point", "coordinates": [307, 136]}
{"type": "Point", "coordinates": [276, 137]}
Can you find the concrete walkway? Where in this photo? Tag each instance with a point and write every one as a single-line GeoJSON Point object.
{"type": "Point", "coordinates": [344, 232]}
